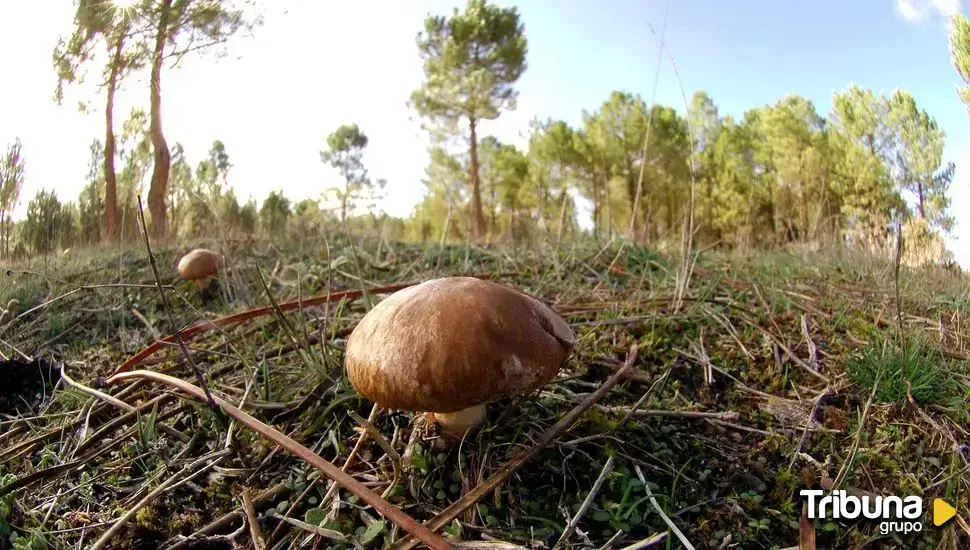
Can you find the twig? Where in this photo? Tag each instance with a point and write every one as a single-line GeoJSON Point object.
{"type": "Point", "coordinates": [806, 530]}
{"type": "Point", "coordinates": [315, 529]}
{"type": "Point", "coordinates": [252, 520]}
{"type": "Point", "coordinates": [647, 542]}
{"type": "Point", "coordinates": [656, 506]}
{"type": "Point", "coordinates": [168, 313]}
{"type": "Point", "coordinates": [151, 328]}
{"type": "Point", "coordinates": [741, 385]}
{"type": "Point", "coordinates": [812, 348]}
{"type": "Point", "coordinates": [352, 456]}
{"type": "Point", "coordinates": [643, 399]}
{"type": "Point", "coordinates": [489, 485]}
{"type": "Point", "coordinates": [609, 543]}
{"type": "Point", "coordinates": [781, 345]}
{"type": "Point", "coordinates": [646, 141]}
{"type": "Point", "coordinates": [162, 487]}
{"type": "Point", "coordinates": [236, 318]}
{"type": "Point", "coordinates": [843, 471]}
{"type": "Point", "coordinates": [636, 375]}
{"type": "Point", "coordinates": [383, 507]}
{"type": "Point", "coordinates": [226, 519]}
{"type": "Point", "coordinates": [390, 451]}
{"type": "Point", "coordinates": [725, 415]}
{"type": "Point", "coordinates": [114, 401]}
{"type": "Point", "coordinates": [963, 524]}
{"type": "Point", "coordinates": [808, 424]}
{"type": "Point", "coordinates": [898, 259]}
{"type": "Point", "coordinates": [284, 322]}
{"type": "Point", "coordinates": [607, 468]}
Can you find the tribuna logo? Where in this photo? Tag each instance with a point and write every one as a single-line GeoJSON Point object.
{"type": "Point", "coordinates": [897, 514]}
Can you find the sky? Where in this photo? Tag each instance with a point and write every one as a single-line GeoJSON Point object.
{"type": "Point", "coordinates": [316, 64]}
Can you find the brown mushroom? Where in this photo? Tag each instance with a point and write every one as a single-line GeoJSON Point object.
{"type": "Point", "coordinates": [450, 346]}
{"type": "Point", "coordinates": [13, 306]}
{"type": "Point", "coordinates": [199, 265]}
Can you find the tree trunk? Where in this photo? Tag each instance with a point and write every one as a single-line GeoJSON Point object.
{"type": "Point", "coordinates": [477, 213]}
{"type": "Point", "coordinates": [608, 198]}
{"type": "Point", "coordinates": [562, 215]}
{"type": "Point", "coordinates": [110, 177]}
{"type": "Point", "coordinates": [709, 209]}
{"type": "Point", "coordinates": [922, 206]}
{"type": "Point", "coordinates": [597, 206]}
{"type": "Point", "coordinates": [3, 232]}
{"type": "Point", "coordinates": [343, 204]}
{"type": "Point", "coordinates": [163, 158]}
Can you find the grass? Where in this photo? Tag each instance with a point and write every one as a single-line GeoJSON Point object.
{"type": "Point", "coordinates": [915, 369]}
{"type": "Point", "coordinates": [767, 322]}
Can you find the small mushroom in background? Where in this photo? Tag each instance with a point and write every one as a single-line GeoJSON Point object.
{"type": "Point", "coordinates": [13, 307]}
{"type": "Point", "coordinates": [450, 346]}
{"type": "Point", "coordinates": [199, 265]}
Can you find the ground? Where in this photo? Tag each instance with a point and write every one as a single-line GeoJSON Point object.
{"type": "Point", "coordinates": [764, 374]}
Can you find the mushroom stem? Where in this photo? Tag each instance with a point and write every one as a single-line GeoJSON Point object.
{"type": "Point", "coordinates": [456, 424]}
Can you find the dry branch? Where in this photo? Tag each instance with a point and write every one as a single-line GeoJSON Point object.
{"type": "Point", "coordinates": [386, 509]}
{"type": "Point", "coordinates": [489, 485]}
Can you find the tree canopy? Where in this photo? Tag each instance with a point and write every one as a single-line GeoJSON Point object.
{"type": "Point", "coordinates": [472, 60]}
{"type": "Point", "coordinates": [772, 175]}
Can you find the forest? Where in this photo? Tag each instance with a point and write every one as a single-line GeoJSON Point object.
{"type": "Point", "coordinates": [734, 309]}
{"type": "Point", "coordinates": [782, 174]}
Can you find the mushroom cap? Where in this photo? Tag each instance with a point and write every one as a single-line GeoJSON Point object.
{"type": "Point", "coordinates": [199, 264]}
{"type": "Point", "coordinates": [13, 306]}
{"type": "Point", "coordinates": [456, 342]}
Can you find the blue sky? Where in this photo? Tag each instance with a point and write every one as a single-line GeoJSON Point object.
{"type": "Point", "coordinates": [278, 94]}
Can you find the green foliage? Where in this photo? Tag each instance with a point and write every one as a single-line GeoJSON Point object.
{"type": "Point", "coordinates": [472, 60]}
{"type": "Point", "coordinates": [12, 175]}
{"type": "Point", "coordinates": [918, 160]}
{"type": "Point", "coordinates": [274, 213]}
{"type": "Point", "coordinates": [782, 174]}
{"type": "Point", "coordinates": [46, 222]}
{"type": "Point", "coordinates": [145, 33]}
{"type": "Point", "coordinates": [960, 52]}
{"type": "Point", "coordinates": [197, 199]}
{"type": "Point", "coordinates": [98, 24]}
{"type": "Point", "coordinates": [551, 162]}
{"type": "Point", "coordinates": [135, 156]}
{"type": "Point", "coordinates": [345, 147]}
{"type": "Point", "coordinates": [91, 204]}
{"type": "Point", "coordinates": [248, 217]}
{"type": "Point", "coordinates": [32, 541]}
{"type": "Point", "coordinates": [914, 369]}
{"type": "Point", "coordinates": [6, 506]}
{"type": "Point", "coordinates": [505, 174]}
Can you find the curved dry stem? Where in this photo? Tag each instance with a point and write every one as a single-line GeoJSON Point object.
{"type": "Point", "coordinates": [406, 522]}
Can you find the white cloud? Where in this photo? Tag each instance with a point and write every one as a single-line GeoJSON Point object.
{"type": "Point", "coordinates": [947, 7]}
{"type": "Point", "coordinates": [913, 10]}
{"type": "Point", "coordinates": [908, 10]}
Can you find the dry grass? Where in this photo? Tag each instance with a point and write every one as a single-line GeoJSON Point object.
{"type": "Point", "coordinates": [738, 399]}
